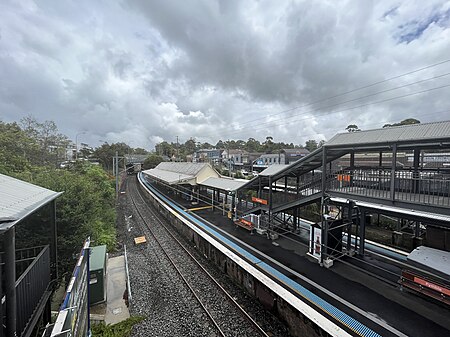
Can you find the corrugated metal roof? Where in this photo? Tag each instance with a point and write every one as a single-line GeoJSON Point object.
{"type": "Point", "coordinates": [19, 199]}
{"type": "Point", "coordinates": [168, 176]}
{"type": "Point", "coordinates": [224, 183]}
{"type": "Point", "coordinates": [406, 133]}
{"type": "Point", "coordinates": [273, 169]}
{"type": "Point", "coordinates": [431, 258]}
{"type": "Point", "coordinates": [182, 167]}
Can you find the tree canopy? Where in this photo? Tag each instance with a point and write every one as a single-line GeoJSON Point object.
{"type": "Point", "coordinates": [407, 121]}
{"type": "Point", "coordinates": [87, 206]}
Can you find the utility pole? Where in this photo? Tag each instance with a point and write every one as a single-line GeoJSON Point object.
{"type": "Point", "coordinates": [117, 173]}
{"type": "Point", "coordinates": [178, 150]}
{"type": "Point", "coordinates": [228, 158]}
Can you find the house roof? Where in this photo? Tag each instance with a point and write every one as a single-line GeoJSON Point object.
{"type": "Point", "coordinates": [18, 199]}
{"type": "Point", "coordinates": [437, 131]}
{"type": "Point", "coordinates": [271, 155]}
{"type": "Point", "coordinates": [296, 151]}
{"type": "Point", "coordinates": [236, 151]}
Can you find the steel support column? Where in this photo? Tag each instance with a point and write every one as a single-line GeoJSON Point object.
{"type": "Point", "coordinates": [10, 284]}
{"type": "Point", "coordinates": [322, 206]}
{"type": "Point", "coordinates": [352, 167]}
{"type": "Point", "coordinates": [416, 161]}
{"type": "Point", "coordinates": [393, 170]}
{"type": "Point", "coordinates": [362, 231]}
{"type": "Point", "coordinates": [351, 205]}
{"type": "Point", "coordinates": [270, 202]}
{"type": "Point", "coordinates": [285, 189]}
{"type": "Point", "coordinates": [54, 243]}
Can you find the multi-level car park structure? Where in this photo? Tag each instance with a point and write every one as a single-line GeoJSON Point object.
{"type": "Point", "coordinates": [354, 175]}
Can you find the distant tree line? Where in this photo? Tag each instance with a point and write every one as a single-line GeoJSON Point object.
{"type": "Point", "coordinates": [174, 150]}
{"type": "Point", "coordinates": [408, 121]}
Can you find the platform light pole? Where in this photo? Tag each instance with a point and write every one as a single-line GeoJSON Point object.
{"type": "Point", "coordinates": [76, 143]}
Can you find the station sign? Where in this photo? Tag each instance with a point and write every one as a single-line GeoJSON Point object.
{"type": "Point", "coordinates": [259, 200]}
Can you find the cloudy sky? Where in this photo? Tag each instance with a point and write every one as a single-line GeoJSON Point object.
{"type": "Point", "coordinates": [143, 71]}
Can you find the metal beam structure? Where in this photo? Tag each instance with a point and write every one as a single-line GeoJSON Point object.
{"type": "Point", "coordinates": [393, 187]}
{"type": "Point", "coordinates": [9, 243]}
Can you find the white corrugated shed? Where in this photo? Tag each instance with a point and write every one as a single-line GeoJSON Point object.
{"type": "Point", "coordinates": [225, 184]}
{"type": "Point", "coordinates": [19, 199]}
{"type": "Point", "coordinates": [405, 133]}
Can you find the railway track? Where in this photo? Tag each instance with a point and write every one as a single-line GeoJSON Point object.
{"type": "Point", "coordinates": [224, 313]}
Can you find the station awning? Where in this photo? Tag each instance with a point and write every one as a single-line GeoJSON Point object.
{"type": "Point", "coordinates": [224, 184]}
{"type": "Point", "coordinates": [169, 177]}
{"type": "Point", "coordinates": [18, 199]}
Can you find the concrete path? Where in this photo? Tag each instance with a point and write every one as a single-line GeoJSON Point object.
{"type": "Point", "coordinates": [116, 310]}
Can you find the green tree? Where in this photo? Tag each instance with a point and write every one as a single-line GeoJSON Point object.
{"type": "Point", "coordinates": [52, 145]}
{"type": "Point", "coordinates": [407, 121]}
{"type": "Point", "coordinates": [139, 150]}
{"type": "Point", "coordinates": [352, 128]}
{"type": "Point", "coordinates": [106, 152]}
{"type": "Point", "coordinates": [253, 145]}
{"type": "Point", "coordinates": [152, 161]}
{"type": "Point", "coordinates": [15, 149]}
{"type": "Point", "coordinates": [86, 208]}
{"type": "Point", "coordinates": [268, 145]}
{"type": "Point", "coordinates": [311, 145]}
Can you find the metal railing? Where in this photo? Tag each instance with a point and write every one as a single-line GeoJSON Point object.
{"type": "Point", "coordinates": [431, 188]}
{"type": "Point", "coordinates": [31, 286]}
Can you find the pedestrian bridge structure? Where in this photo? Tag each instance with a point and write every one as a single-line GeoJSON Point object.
{"type": "Point", "coordinates": [398, 172]}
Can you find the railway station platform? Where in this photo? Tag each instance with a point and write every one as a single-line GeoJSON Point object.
{"type": "Point", "coordinates": [368, 293]}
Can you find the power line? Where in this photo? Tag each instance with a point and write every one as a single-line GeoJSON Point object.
{"type": "Point", "coordinates": [358, 98]}
{"type": "Point", "coordinates": [272, 124]}
{"type": "Point", "coordinates": [351, 91]}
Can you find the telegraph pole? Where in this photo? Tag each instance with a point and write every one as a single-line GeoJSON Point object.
{"type": "Point", "coordinates": [117, 173]}
{"type": "Point", "coordinates": [178, 149]}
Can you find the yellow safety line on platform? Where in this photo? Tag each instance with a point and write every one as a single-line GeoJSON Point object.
{"type": "Point", "coordinates": [199, 208]}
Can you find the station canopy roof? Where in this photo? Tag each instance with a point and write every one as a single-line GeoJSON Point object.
{"type": "Point", "coordinates": [225, 184]}
{"type": "Point", "coordinates": [406, 136]}
{"type": "Point", "coordinates": [18, 199]}
{"type": "Point", "coordinates": [182, 172]}
{"type": "Point", "coordinates": [423, 135]}
{"type": "Point", "coordinates": [169, 176]}
{"type": "Point", "coordinates": [272, 169]}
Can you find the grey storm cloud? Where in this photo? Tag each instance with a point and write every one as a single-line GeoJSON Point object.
{"type": "Point", "coordinates": [143, 71]}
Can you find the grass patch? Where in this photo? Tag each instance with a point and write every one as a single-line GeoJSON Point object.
{"type": "Point", "coordinates": [121, 329]}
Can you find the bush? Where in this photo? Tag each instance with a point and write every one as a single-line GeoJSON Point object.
{"type": "Point", "coordinates": [121, 329]}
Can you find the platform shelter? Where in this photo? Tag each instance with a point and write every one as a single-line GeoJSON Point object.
{"type": "Point", "coordinates": [26, 271]}
{"type": "Point", "coordinates": [402, 172]}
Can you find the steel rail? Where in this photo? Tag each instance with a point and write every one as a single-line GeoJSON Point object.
{"type": "Point", "coordinates": [230, 298]}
